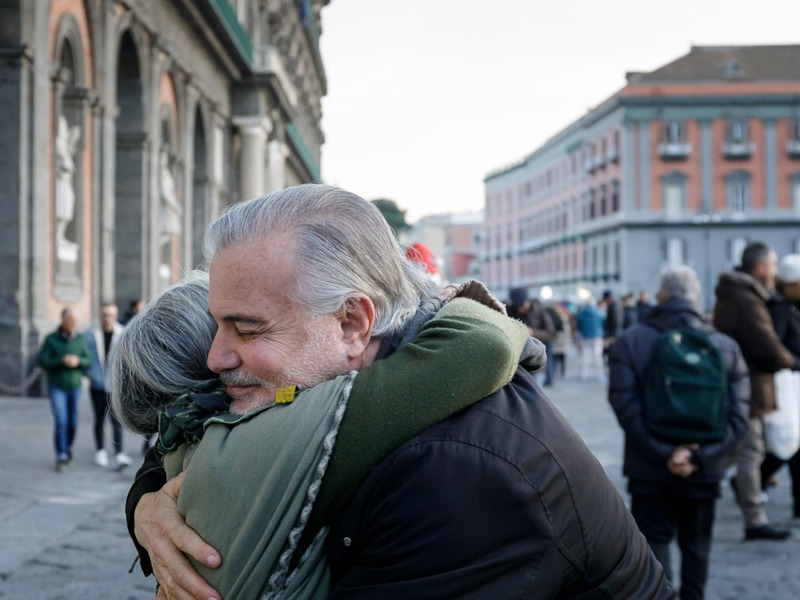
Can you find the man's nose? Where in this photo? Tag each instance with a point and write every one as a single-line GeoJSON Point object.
{"type": "Point", "coordinates": [221, 356]}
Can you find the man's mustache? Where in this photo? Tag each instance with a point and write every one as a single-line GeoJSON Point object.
{"type": "Point", "coordinates": [235, 378]}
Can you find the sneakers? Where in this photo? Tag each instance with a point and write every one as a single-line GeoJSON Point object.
{"type": "Point", "coordinates": [61, 465]}
{"type": "Point", "coordinates": [121, 460]}
{"type": "Point", "coordinates": [101, 458]}
{"type": "Point", "coordinates": [766, 532]}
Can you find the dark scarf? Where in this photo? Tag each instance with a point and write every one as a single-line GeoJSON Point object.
{"type": "Point", "coordinates": [183, 420]}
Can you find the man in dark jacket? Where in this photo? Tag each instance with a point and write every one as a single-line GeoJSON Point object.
{"type": "Point", "coordinates": [536, 316]}
{"type": "Point", "coordinates": [64, 356]}
{"type": "Point", "coordinates": [674, 487]}
{"type": "Point", "coordinates": [741, 312]}
{"type": "Point", "coordinates": [503, 500]}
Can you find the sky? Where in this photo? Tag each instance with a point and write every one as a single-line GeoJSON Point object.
{"type": "Point", "coordinates": [426, 97]}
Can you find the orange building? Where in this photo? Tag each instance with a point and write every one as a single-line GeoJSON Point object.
{"type": "Point", "coordinates": [684, 165]}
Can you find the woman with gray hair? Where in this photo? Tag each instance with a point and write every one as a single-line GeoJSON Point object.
{"type": "Point", "coordinates": [255, 483]}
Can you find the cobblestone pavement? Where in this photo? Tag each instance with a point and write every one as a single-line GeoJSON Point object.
{"type": "Point", "coordinates": [63, 536]}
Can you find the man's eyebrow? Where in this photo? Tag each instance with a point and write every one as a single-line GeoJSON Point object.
{"type": "Point", "coordinates": [242, 318]}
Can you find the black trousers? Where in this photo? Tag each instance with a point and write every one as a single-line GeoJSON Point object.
{"type": "Point", "coordinates": [662, 518]}
{"type": "Point", "coordinates": [100, 405]}
{"type": "Point", "coordinates": [772, 463]}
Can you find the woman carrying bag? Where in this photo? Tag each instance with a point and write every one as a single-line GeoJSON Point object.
{"type": "Point", "coordinates": [782, 428]}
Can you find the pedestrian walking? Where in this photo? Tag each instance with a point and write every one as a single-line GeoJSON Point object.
{"type": "Point", "coordinates": [64, 357]}
{"type": "Point", "coordinates": [100, 339]}
{"type": "Point", "coordinates": [590, 327]}
{"type": "Point", "coordinates": [535, 315]}
{"type": "Point", "coordinates": [784, 308]}
{"type": "Point", "coordinates": [673, 477]}
{"type": "Point", "coordinates": [741, 312]}
{"type": "Point", "coordinates": [561, 319]}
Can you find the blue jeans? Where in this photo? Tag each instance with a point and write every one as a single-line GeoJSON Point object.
{"type": "Point", "coordinates": [64, 405]}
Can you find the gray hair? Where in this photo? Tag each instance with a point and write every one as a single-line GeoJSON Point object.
{"type": "Point", "coordinates": [679, 283]}
{"type": "Point", "coordinates": [342, 246]}
{"type": "Point", "coordinates": [162, 353]}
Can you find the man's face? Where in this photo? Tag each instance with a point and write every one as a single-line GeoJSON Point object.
{"type": "Point", "coordinates": [108, 316]}
{"type": "Point", "coordinates": [264, 341]}
{"type": "Point", "coordinates": [766, 271]}
{"type": "Point", "coordinates": [68, 322]}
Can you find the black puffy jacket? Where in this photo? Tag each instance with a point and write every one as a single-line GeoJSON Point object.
{"type": "Point", "coordinates": [503, 500]}
{"type": "Point", "coordinates": [645, 456]}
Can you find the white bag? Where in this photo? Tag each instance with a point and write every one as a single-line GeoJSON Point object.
{"type": "Point", "coordinates": [782, 426]}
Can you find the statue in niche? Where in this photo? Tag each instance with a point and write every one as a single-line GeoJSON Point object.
{"type": "Point", "coordinates": [66, 146]}
{"type": "Point", "coordinates": [170, 213]}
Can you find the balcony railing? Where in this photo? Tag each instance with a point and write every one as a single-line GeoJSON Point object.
{"type": "Point", "coordinates": [674, 150]}
{"type": "Point", "coordinates": [737, 150]}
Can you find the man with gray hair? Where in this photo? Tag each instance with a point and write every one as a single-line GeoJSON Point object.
{"type": "Point", "coordinates": [502, 500]}
{"type": "Point", "coordinates": [674, 484]}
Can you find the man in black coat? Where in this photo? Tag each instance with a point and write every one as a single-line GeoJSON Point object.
{"type": "Point", "coordinates": [674, 487]}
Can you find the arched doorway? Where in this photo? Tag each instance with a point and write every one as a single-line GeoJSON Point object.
{"type": "Point", "coordinates": [200, 182]}
{"type": "Point", "coordinates": [129, 255]}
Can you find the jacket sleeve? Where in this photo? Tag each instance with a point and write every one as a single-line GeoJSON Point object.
{"type": "Point", "coordinates": [49, 357]}
{"type": "Point", "coordinates": [451, 516]}
{"type": "Point", "coordinates": [738, 409]}
{"type": "Point", "coordinates": [763, 350]}
{"type": "Point", "coordinates": [149, 478]}
{"type": "Point", "coordinates": [464, 353]}
{"type": "Point", "coordinates": [83, 354]}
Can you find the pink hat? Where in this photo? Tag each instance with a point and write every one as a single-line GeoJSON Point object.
{"type": "Point", "coordinates": [420, 253]}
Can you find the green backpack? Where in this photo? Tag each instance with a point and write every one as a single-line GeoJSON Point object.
{"type": "Point", "coordinates": [686, 389]}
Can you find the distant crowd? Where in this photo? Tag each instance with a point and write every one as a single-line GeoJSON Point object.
{"type": "Point", "coordinates": [699, 396]}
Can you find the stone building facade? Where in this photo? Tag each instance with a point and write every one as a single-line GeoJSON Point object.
{"type": "Point", "coordinates": [684, 165]}
{"type": "Point", "coordinates": [127, 126]}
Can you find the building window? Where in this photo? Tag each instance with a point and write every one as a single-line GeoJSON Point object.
{"type": "Point", "coordinates": [675, 252]}
{"type": "Point", "coordinates": [673, 144]}
{"type": "Point", "coordinates": [733, 68]}
{"type": "Point", "coordinates": [674, 194]}
{"type": "Point", "coordinates": [615, 196]}
{"type": "Point", "coordinates": [673, 132]}
{"type": "Point", "coordinates": [738, 192]}
{"type": "Point", "coordinates": [737, 131]}
{"type": "Point", "coordinates": [603, 200]}
{"type": "Point", "coordinates": [793, 143]}
{"type": "Point", "coordinates": [737, 140]}
{"type": "Point", "coordinates": [796, 193]}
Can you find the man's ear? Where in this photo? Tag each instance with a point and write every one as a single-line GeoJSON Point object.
{"type": "Point", "coordinates": [357, 319]}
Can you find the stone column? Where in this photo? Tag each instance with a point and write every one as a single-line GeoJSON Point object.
{"type": "Point", "coordinates": [254, 132]}
{"type": "Point", "coordinates": [276, 171]}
